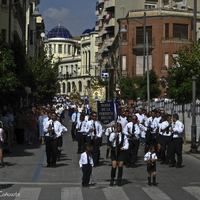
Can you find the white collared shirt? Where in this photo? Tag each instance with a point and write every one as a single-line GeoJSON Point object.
{"type": "Point", "coordinates": [109, 130]}
{"type": "Point", "coordinates": [162, 128]}
{"type": "Point", "coordinates": [178, 128]}
{"type": "Point", "coordinates": [83, 125]}
{"type": "Point", "coordinates": [149, 155]}
{"type": "Point", "coordinates": [58, 129]}
{"type": "Point", "coordinates": [84, 160]}
{"type": "Point", "coordinates": [128, 130]}
{"type": "Point", "coordinates": [112, 139]}
{"type": "Point", "coordinates": [90, 124]}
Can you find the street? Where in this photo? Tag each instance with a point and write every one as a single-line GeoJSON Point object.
{"type": "Point", "coordinates": [27, 177]}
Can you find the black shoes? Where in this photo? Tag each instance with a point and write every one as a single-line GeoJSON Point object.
{"type": "Point", "coordinates": [178, 166]}
{"type": "Point", "coordinates": [149, 183]}
{"type": "Point", "coordinates": [119, 182]}
{"type": "Point", "coordinates": [111, 182]}
{"type": "Point", "coordinates": [155, 184]}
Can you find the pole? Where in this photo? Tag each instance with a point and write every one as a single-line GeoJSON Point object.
{"type": "Point", "coordinates": [193, 127]}
{"type": "Point", "coordinates": [144, 44]}
{"type": "Point", "coordinates": [195, 20]}
{"type": "Point", "coordinates": [148, 89]}
{"type": "Point", "coordinates": [108, 76]}
{"type": "Point", "coordinates": [120, 58]}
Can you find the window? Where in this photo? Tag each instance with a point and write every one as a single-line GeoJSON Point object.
{"type": "Point", "coordinates": [88, 83]}
{"type": "Point", "coordinates": [175, 55]}
{"type": "Point", "coordinates": [76, 66]}
{"type": "Point", "coordinates": [123, 63]}
{"type": "Point", "coordinates": [140, 35]}
{"type": "Point", "coordinates": [180, 31]}
{"type": "Point", "coordinates": [72, 69]}
{"type": "Point", "coordinates": [61, 70]}
{"type": "Point", "coordinates": [65, 48]}
{"type": "Point", "coordinates": [3, 33]}
{"type": "Point", "coordinates": [124, 35]}
{"type": "Point", "coordinates": [60, 48]}
{"type": "Point", "coordinates": [73, 84]}
{"type": "Point", "coordinates": [69, 49]}
{"type": "Point", "coordinates": [4, 2]}
{"type": "Point", "coordinates": [80, 86]}
{"type": "Point", "coordinates": [167, 31]}
{"type": "Point", "coordinates": [139, 64]}
{"type": "Point", "coordinates": [63, 88]}
{"type": "Point", "coordinates": [66, 68]}
{"type": "Point", "coordinates": [54, 48]}
{"type": "Point", "coordinates": [50, 49]}
{"type": "Point", "coordinates": [167, 60]}
{"type": "Point", "coordinates": [68, 87]}
{"type": "Point", "coordinates": [150, 6]}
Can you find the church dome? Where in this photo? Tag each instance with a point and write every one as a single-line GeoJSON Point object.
{"type": "Point", "coordinates": [87, 31]}
{"type": "Point", "coordinates": [59, 32]}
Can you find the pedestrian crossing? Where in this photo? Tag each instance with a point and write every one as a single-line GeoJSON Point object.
{"type": "Point", "coordinates": [109, 193]}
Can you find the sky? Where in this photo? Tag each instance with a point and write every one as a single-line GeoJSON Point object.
{"type": "Point", "coordinates": [75, 15]}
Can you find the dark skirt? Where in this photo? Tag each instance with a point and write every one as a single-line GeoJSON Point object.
{"type": "Point", "coordinates": [159, 139]}
{"type": "Point", "coordinates": [151, 167]}
{"type": "Point", "coordinates": [120, 155]}
{"type": "Point", "coordinates": [1, 145]}
{"type": "Point", "coordinates": [60, 141]}
{"type": "Point", "coordinates": [109, 143]}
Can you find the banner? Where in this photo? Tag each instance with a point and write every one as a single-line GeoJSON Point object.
{"type": "Point", "coordinates": [106, 112]}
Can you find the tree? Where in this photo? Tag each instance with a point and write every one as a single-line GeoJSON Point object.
{"type": "Point", "coordinates": [43, 76]}
{"type": "Point", "coordinates": [154, 85]}
{"type": "Point", "coordinates": [186, 65]}
{"type": "Point", "coordinates": [128, 88]}
{"type": "Point", "coordinates": [9, 80]}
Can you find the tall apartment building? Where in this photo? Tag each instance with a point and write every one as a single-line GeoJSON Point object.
{"type": "Point", "coordinates": [169, 25]}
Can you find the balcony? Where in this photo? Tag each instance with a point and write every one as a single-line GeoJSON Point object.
{"type": "Point", "coordinates": [96, 25]}
{"type": "Point", "coordinates": [138, 47]}
{"type": "Point", "coordinates": [110, 23]}
{"type": "Point", "coordinates": [101, 1]}
{"type": "Point", "coordinates": [109, 42]}
{"type": "Point", "coordinates": [109, 4]}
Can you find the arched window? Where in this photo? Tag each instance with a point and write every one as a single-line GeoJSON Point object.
{"type": "Point", "coordinates": [63, 90]}
{"type": "Point", "coordinates": [73, 84]}
{"type": "Point", "coordinates": [80, 86]}
{"type": "Point", "coordinates": [68, 87]}
{"type": "Point", "coordinates": [88, 83]}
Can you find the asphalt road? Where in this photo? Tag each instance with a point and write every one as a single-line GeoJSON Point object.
{"type": "Point", "coordinates": [27, 177]}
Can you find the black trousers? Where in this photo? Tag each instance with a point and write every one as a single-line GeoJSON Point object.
{"type": "Point", "coordinates": [176, 147]}
{"type": "Point", "coordinates": [96, 151]}
{"type": "Point", "coordinates": [51, 150]}
{"type": "Point", "coordinates": [165, 141]}
{"type": "Point", "coordinates": [79, 140]}
{"type": "Point", "coordinates": [133, 147]}
{"type": "Point", "coordinates": [73, 131]}
{"type": "Point", "coordinates": [86, 169]}
{"type": "Point", "coordinates": [83, 142]}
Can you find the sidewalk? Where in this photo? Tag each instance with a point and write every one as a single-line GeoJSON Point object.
{"type": "Point", "coordinates": [187, 148]}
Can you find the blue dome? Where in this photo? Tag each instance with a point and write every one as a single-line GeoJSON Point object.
{"type": "Point", "coordinates": [93, 29]}
{"type": "Point", "coordinates": [87, 31]}
{"type": "Point", "coordinates": [59, 32]}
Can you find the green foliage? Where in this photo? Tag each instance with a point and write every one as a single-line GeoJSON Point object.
{"type": "Point", "coordinates": [186, 65]}
{"type": "Point", "coordinates": [154, 85]}
{"type": "Point", "coordinates": [43, 76]}
{"type": "Point", "coordinates": [9, 80]}
{"type": "Point", "coordinates": [128, 89]}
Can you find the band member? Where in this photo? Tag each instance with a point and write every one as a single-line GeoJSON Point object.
{"type": "Point", "coordinates": [119, 145]}
{"type": "Point", "coordinates": [140, 116]}
{"type": "Point", "coordinates": [75, 119]}
{"type": "Point", "coordinates": [109, 144]}
{"type": "Point", "coordinates": [122, 120]}
{"type": "Point", "coordinates": [94, 135]}
{"type": "Point", "coordinates": [81, 134]}
{"type": "Point", "coordinates": [165, 138]}
{"type": "Point", "coordinates": [52, 129]}
{"type": "Point", "coordinates": [86, 163]}
{"type": "Point", "coordinates": [177, 141]}
{"type": "Point", "coordinates": [132, 131]}
{"type": "Point", "coordinates": [150, 157]}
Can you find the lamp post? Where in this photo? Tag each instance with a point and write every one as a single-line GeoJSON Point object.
{"type": "Point", "coordinates": [193, 127]}
{"type": "Point", "coordinates": [195, 20]}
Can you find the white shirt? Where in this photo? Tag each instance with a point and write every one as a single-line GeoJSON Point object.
{"type": "Point", "coordinates": [141, 117]}
{"type": "Point", "coordinates": [128, 130]}
{"type": "Point", "coordinates": [162, 129]}
{"type": "Point", "coordinates": [75, 117]}
{"type": "Point", "coordinates": [109, 130]}
{"type": "Point", "coordinates": [113, 140]}
{"type": "Point", "coordinates": [122, 120]}
{"type": "Point", "coordinates": [83, 125]}
{"type": "Point", "coordinates": [90, 124]}
{"type": "Point", "coordinates": [178, 128]}
{"type": "Point", "coordinates": [58, 129]}
{"type": "Point", "coordinates": [143, 130]}
{"type": "Point", "coordinates": [149, 155]}
{"type": "Point", "coordinates": [83, 160]}
{"type": "Point", "coordinates": [154, 125]}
